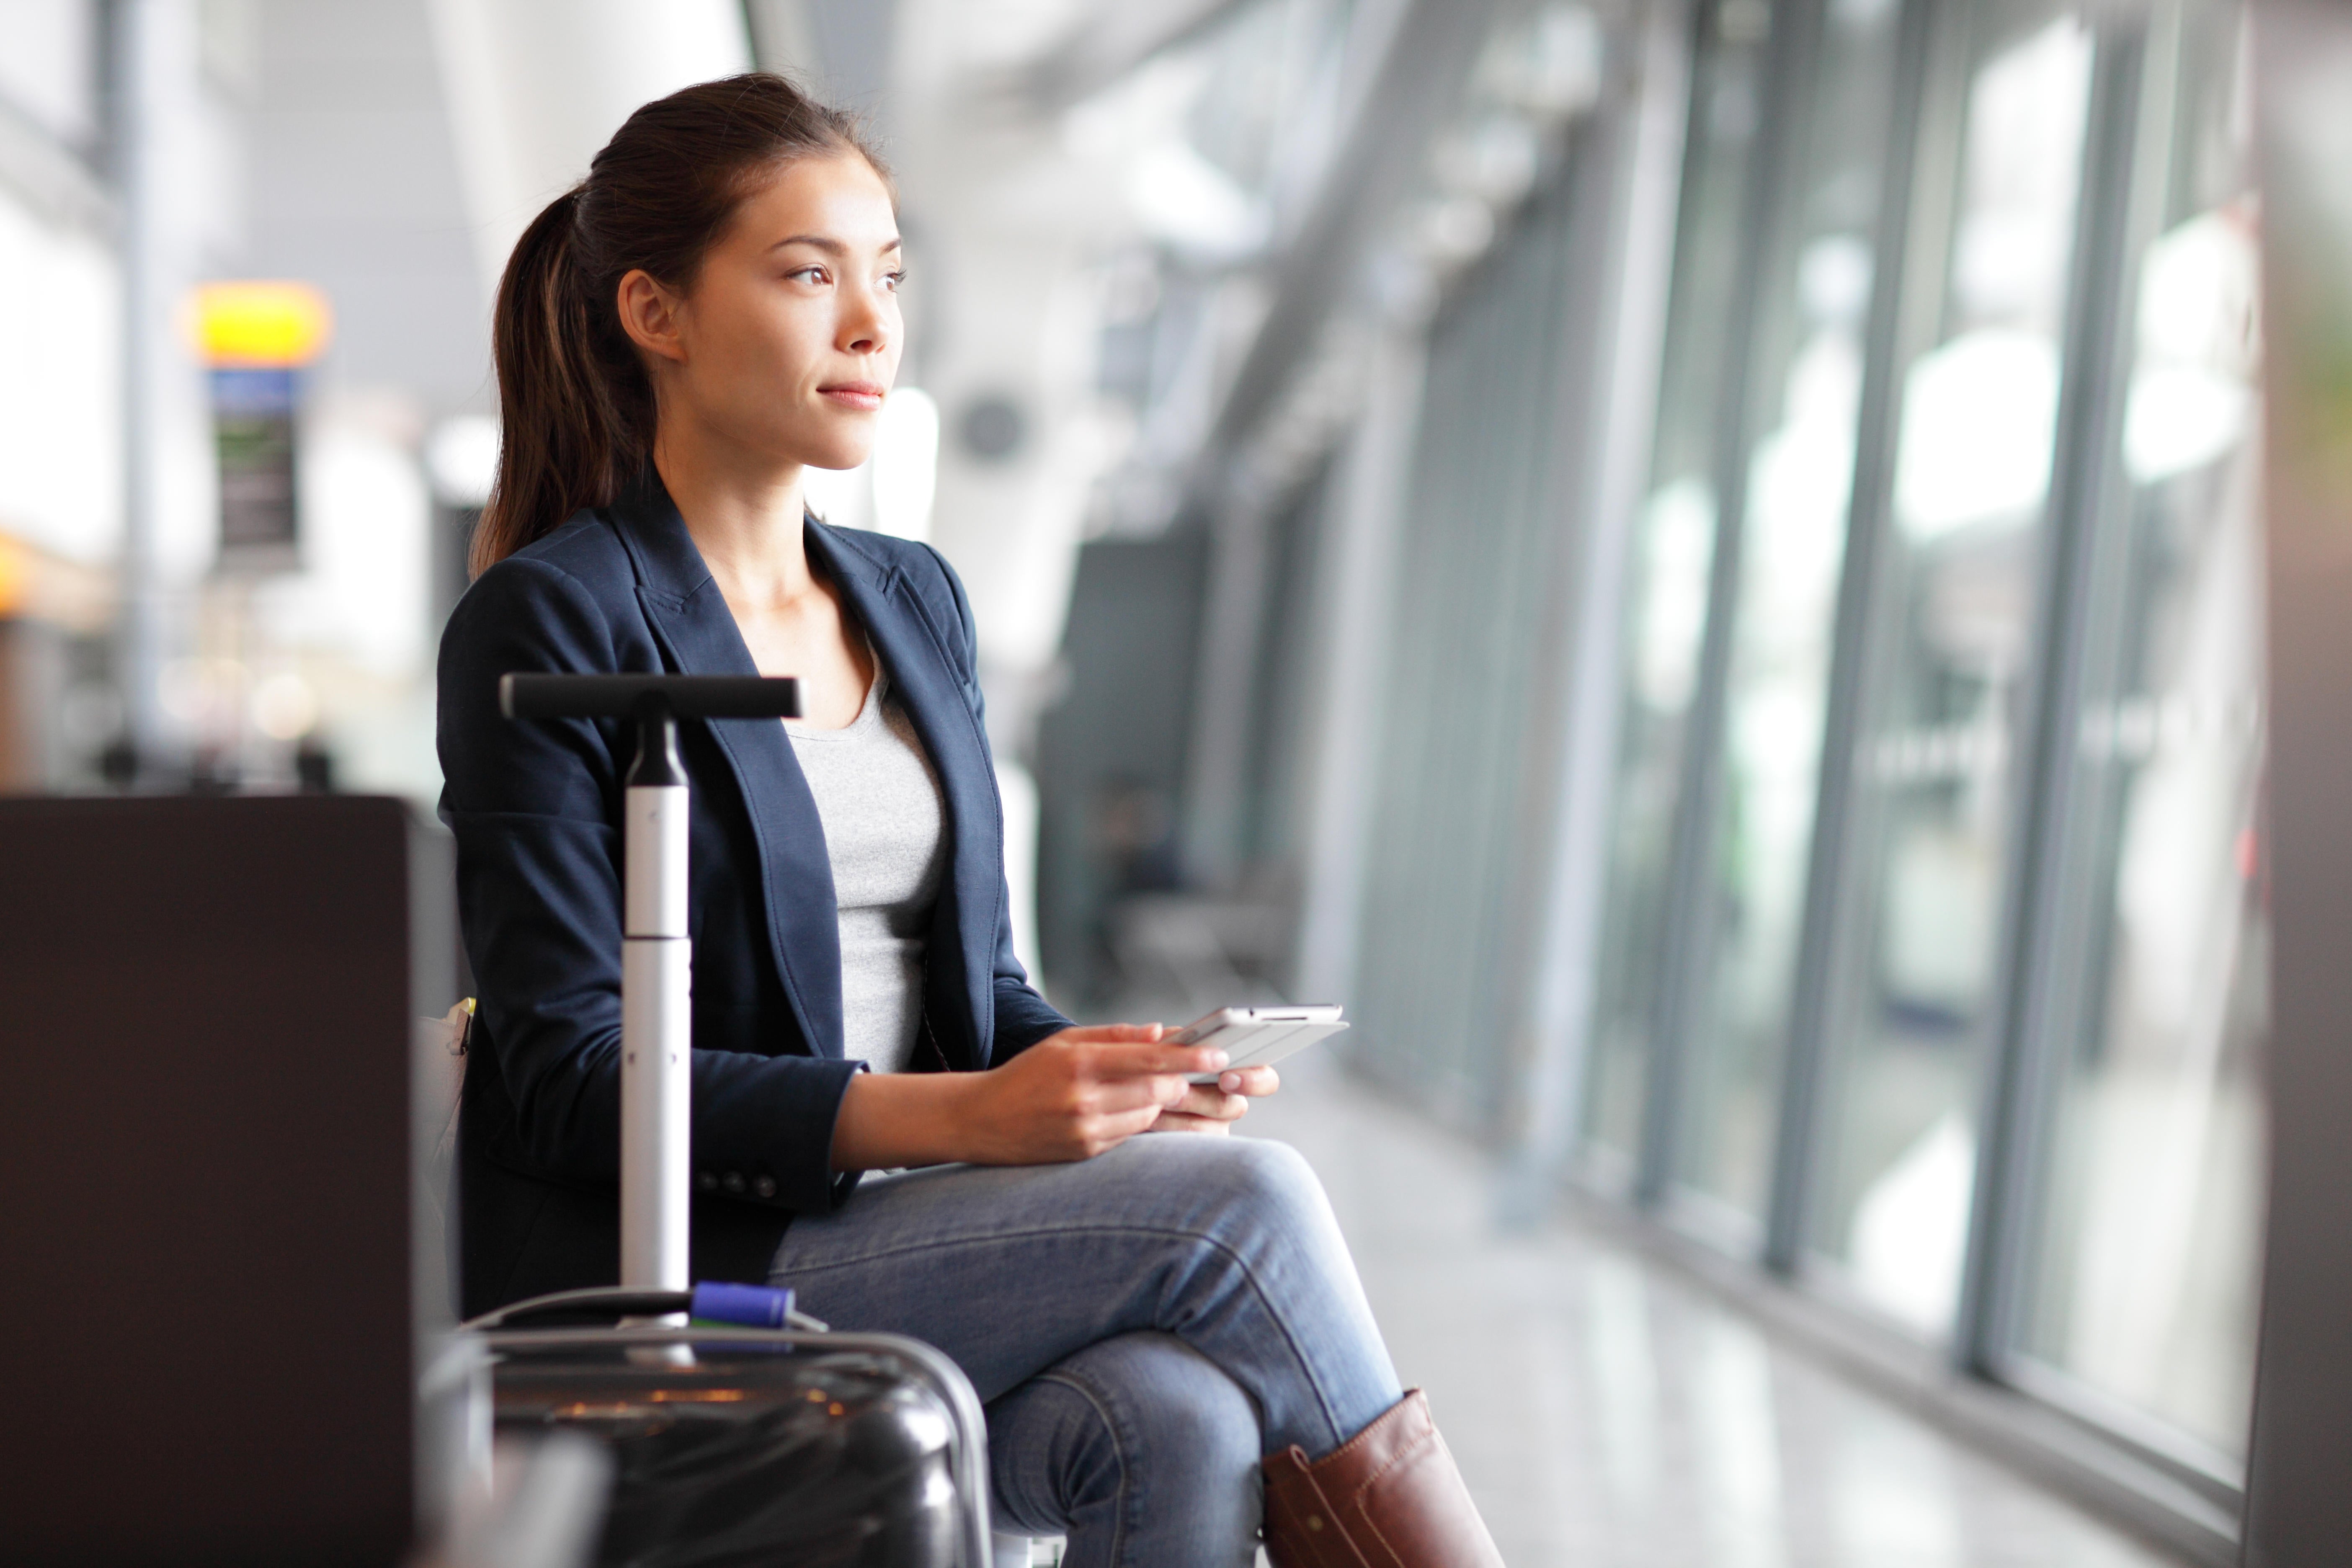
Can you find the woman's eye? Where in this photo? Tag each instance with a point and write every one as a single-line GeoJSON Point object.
{"type": "Point", "coordinates": [806, 274]}
{"type": "Point", "coordinates": [891, 281]}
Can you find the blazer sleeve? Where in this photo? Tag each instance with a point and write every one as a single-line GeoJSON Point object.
{"type": "Point", "coordinates": [1024, 1017]}
{"type": "Point", "coordinates": [534, 808]}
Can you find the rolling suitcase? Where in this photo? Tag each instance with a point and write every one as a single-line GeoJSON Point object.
{"type": "Point", "coordinates": [735, 1446]}
{"type": "Point", "coordinates": [740, 1432]}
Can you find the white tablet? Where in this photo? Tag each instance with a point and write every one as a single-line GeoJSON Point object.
{"type": "Point", "coordinates": [1258, 1037]}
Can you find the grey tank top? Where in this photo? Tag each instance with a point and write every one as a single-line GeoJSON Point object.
{"type": "Point", "coordinates": [885, 830]}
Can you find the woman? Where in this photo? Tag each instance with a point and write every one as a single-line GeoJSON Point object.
{"type": "Point", "coordinates": [711, 311]}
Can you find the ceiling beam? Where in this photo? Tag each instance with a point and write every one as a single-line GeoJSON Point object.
{"type": "Point", "coordinates": [1122, 36]}
{"type": "Point", "coordinates": [1429, 54]}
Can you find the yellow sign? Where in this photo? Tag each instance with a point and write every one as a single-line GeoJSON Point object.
{"type": "Point", "coordinates": [261, 325]}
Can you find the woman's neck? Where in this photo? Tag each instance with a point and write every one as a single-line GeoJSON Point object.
{"type": "Point", "coordinates": [743, 514]}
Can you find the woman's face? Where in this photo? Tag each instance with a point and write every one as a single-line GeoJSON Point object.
{"type": "Point", "coordinates": [789, 340]}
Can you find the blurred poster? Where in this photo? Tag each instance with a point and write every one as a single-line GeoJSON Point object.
{"type": "Point", "coordinates": [256, 337]}
{"type": "Point", "coordinates": [253, 429]}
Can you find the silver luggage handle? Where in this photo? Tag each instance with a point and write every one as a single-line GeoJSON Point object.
{"type": "Point", "coordinates": [657, 954]}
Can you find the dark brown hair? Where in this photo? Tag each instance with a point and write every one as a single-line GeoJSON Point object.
{"type": "Point", "coordinates": [576, 407]}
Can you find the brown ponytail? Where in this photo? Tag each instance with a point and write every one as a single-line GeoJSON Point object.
{"type": "Point", "coordinates": [576, 408]}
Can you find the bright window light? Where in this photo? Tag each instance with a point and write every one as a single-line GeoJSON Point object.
{"type": "Point", "coordinates": [462, 459]}
{"type": "Point", "coordinates": [906, 463]}
{"type": "Point", "coordinates": [1978, 418]}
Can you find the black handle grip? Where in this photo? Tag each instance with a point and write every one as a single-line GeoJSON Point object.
{"type": "Point", "coordinates": [624, 696]}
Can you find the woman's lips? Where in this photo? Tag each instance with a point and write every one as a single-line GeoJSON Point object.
{"type": "Point", "coordinates": [862, 395]}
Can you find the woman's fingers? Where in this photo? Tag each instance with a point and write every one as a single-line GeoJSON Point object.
{"type": "Point", "coordinates": [1120, 1060]}
{"type": "Point", "coordinates": [1110, 1034]}
{"type": "Point", "coordinates": [1088, 1089]}
{"type": "Point", "coordinates": [1254, 1082]}
{"type": "Point", "coordinates": [1129, 1050]}
{"type": "Point", "coordinates": [1116, 1097]}
{"type": "Point", "coordinates": [1185, 1121]}
{"type": "Point", "coordinates": [1100, 1134]}
{"type": "Point", "coordinates": [1210, 1102]}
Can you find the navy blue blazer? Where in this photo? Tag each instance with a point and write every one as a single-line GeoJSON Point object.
{"type": "Point", "coordinates": [536, 809]}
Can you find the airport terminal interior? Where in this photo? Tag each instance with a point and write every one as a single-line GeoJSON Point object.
{"type": "Point", "coordinates": [1756, 587]}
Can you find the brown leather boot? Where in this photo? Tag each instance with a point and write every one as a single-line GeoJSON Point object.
{"type": "Point", "coordinates": [1388, 1497]}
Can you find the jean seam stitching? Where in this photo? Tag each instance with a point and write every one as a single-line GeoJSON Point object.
{"type": "Point", "coordinates": [1118, 1445]}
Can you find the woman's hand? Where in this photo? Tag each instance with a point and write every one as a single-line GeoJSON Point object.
{"type": "Point", "coordinates": [1069, 1097]}
{"type": "Point", "coordinates": [1215, 1106]}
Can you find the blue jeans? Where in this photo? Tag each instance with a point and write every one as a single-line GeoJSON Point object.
{"type": "Point", "coordinates": [1143, 1326]}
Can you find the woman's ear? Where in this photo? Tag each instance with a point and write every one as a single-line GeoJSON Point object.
{"type": "Point", "coordinates": [650, 315]}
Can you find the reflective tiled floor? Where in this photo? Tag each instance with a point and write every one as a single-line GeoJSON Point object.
{"type": "Point", "coordinates": [1610, 1415]}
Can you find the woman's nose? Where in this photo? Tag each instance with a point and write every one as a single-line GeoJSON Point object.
{"type": "Point", "coordinates": [865, 329]}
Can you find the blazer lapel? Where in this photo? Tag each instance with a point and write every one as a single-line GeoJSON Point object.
{"type": "Point", "coordinates": [960, 958]}
{"type": "Point", "coordinates": [698, 635]}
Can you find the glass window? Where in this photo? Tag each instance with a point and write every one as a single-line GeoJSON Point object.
{"type": "Point", "coordinates": [1475, 572]}
{"type": "Point", "coordinates": [1808, 375]}
{"type": "Point", "coordinates": [1953, 627]}
{"type": "Point", "coordinates": [1672, 557]}
{"type": "Point", "coordinates": [2149, 1237]}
